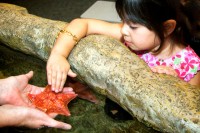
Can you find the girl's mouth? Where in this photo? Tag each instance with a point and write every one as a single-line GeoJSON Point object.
{"type": "Point", "coordinates": [127, 43]}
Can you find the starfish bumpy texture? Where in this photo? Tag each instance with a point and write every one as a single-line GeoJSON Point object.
{"type": "Point", "coordinates": [51, 102]}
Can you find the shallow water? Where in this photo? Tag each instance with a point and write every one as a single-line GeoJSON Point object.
{"type": "Point", "coordinates": [85, 116]}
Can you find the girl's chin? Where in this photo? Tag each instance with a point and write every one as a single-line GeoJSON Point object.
{"type": "Point", "coordinates": [131, 46]}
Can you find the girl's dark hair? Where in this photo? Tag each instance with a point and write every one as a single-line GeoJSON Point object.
{"type": "Point", "coordinates": [191, 8]}
{"type": "Point", "coordinates": [153, 13]}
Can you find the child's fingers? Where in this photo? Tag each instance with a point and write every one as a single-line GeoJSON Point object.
{"type": "Point", "coordinates": [49, 75]}
{"type": "Point", "coordinates": [58, 82]}
{"type": "Point", "coordinates": [166, 70]}
{"type": "Point", "coordinates": [53, 80]}
{"type": "Point", "coordinates": [64, 77]}
{"type": "Point", "coordinates": [71, 73]}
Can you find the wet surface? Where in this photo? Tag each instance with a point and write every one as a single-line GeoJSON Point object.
{"type": "Point", "coordinates": [85, 116]}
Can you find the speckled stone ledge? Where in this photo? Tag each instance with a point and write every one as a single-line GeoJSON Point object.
{"type": "Point", "coordinates": [26, 32]}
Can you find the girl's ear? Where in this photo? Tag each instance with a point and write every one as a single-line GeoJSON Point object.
{"type": "Point", "coordinates": [183, 2]}
{"type": "Point", "coordinates": [169, 27]}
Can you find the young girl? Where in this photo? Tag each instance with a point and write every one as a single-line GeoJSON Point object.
{"type": "Point", "coordinates": [155, 27]}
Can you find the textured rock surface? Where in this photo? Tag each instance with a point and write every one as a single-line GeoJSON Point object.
{"type": "Point", "coordinates": [106, 65]}
{"type": "Point", "coordinates": [28, 33]}
{"type": "Point", "coordinates": [86, 117]}
{"type": "Point", "coordinates": [164, 102]}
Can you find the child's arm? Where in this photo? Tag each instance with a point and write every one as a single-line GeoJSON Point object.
{"type": "Point", "coordinates": [170, 71]}
{"type": "Point", "coordinates": [57, 66]}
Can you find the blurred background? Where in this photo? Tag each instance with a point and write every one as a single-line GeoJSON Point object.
{"type": "Point", "coordinates": [64, 10]}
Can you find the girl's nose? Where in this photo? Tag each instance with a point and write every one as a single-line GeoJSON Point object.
{"type": "Point", "coordinates": [124, 29]}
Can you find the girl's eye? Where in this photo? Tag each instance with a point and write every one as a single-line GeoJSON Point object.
{"type": "Point", "coordinates": [133, 27]}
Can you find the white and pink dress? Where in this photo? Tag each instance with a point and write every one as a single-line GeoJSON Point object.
{"type": "Point", "coordinates": [186, 62]}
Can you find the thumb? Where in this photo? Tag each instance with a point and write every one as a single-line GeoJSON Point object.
{"type": "Point", "coordinates": [21, 103]}
{"type": "Point", "coordinates": [58, 124]}
{"type": "Point", "coordinates": [71, 73]}
{"type": "Point", "coordinates": [29, 75]}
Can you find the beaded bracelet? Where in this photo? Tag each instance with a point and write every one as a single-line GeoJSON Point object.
{"type": "Point", "coordinates": [68, 33]}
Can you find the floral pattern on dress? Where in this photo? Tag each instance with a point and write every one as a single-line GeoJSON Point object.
{"type": "Point", "coordinates": [186, 62]}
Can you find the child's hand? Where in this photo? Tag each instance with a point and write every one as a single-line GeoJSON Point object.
{"type": "Point", "coordinates": [57, 70]}
{"type": "Point", "coordinates": [164, 69]}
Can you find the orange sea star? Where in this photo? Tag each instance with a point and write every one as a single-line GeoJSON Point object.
{"type": "Point", "coordinates": [51, 102]}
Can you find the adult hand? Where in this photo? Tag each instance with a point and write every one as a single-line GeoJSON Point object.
{"type": "Point", "coordinates": [28, 117]}
{"type": "Point", "coordinates": [57, 70]}
{"type": "Point", "coordinates": [16, 108]}
{"type": "Point", "coordinates": [14, 89]}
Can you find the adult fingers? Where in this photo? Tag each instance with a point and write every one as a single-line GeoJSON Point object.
{"type": "Point", "coordinates": [68, 90]}
{"type": "Point", "coordinates": [57, 124]}
{"type": "Point", "coordinates": [38, 119]}
{"type": "Point", "coordinates": [34, 89]}
{"type": "Point", "coordinates": [22, 103]}
{"type": "Point", "coordinates": [53, 115]}
{"type": "Point", "coordinates": [29, 75]}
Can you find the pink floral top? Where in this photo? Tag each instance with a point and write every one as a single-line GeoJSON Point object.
{"type": "Point", "coordinates": [186, 62]}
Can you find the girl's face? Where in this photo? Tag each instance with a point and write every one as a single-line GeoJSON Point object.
{"type": "Point", "coordinates": [138, 37]}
